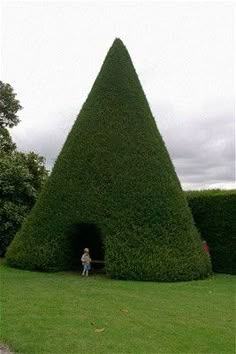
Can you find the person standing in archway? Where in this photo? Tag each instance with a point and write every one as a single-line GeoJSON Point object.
{"type": "Point", "coordinates": [86, 262]}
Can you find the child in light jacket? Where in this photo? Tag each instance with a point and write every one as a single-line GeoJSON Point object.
{"type": "Point", "coordinates": [86, 260]}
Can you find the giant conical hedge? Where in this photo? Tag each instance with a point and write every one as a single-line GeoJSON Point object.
{"type": "Point", "coordinates": [113, 188]}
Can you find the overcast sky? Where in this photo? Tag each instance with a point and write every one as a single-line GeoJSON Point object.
{"type": "Point", "coordinates": [183, 52]}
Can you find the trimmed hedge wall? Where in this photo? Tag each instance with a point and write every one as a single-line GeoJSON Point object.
{"type": "Point", "coordinates": [114, 183]}
{"type": "Point", "coordinates": [214, 213]}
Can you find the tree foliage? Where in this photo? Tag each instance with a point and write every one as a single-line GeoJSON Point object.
{"type": "Point", "coordinates": [21, 179]}
{"type": "Point", "coordinates": [115, 173]}
{"type": "Point", "coordinates": [22, 175]}
{"type": "Point", "coordinates": [9, 106]}
{"type": "Point", "coordinates": [6, 144]}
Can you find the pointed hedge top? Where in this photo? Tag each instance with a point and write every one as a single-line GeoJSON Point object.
{"type": "Point", "coordinates": [117, 85]}
{"type": "Point", "coordinates": [118, 41]}
{"type": "Point", "coordinates": [119, 49]}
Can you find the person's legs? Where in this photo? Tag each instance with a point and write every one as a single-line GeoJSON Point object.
{"type": "Point", "coordinates": [86, 270]}
{"type": "Point", "coordinates": [83, 273]}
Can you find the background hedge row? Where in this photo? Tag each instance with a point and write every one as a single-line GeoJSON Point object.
{"type": "Point", "coordinates": [214, 213]}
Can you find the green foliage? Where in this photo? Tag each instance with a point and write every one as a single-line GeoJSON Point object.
{"type": "Point", "coordinates": [114, 172]}
{"type": "Point", "coordinates": [214, 214]}
{"type": "Point", "coordinates": [6, 144]}
{"type": "Point", "coordinates": [21, 174]}
{"type": "Point", "coordinates": [9, 106]}
{"type": "Point", "coordinates": [21, 179]}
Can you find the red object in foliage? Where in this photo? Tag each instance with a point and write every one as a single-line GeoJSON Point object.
{"type": "Point", "coordinates": [206, 248]}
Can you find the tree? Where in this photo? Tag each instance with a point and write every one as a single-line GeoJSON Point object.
{"type": "Point", "coordinates": [114, 183]}
{"type": "Point", "coordinates": [6, 144]}
{"type": "Point", "coordinates": [9, 106]}
{"type": "Point", "coordinates": [22, 175]}
{"type": "Point", "coordinates": [21, 179]}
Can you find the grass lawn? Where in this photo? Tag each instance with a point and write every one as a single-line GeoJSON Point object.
{"type": "Point", "coordinates": [58, 313]}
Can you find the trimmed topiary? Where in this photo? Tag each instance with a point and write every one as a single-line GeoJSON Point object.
{"type": "Point", "coordinates": [214, 214]}
{"type": "Point", "coordinates": [114, 189]}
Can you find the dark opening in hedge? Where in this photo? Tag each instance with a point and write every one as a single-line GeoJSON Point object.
{"type": "Point", "coordinates": [86, 235]}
